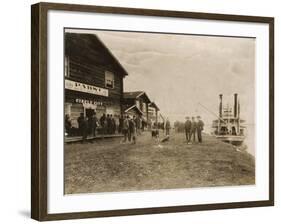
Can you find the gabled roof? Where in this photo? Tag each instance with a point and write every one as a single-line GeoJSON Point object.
{"type": "Point", "coordinates": [85, 42]}
{"type": "Point", "coordinates": [132, 95]}
{"type": "Point", "coordinates": [152, 104]}
{"type": "Point", "coordinates": [133, 107]}
{"type": "Point", "coordinates": [135, 95]}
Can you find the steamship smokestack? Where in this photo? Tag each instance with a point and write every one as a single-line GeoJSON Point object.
{"type": "Point", "coordinates": [235, 105]}
{"type": "Point", "coordinates": [220, 106]}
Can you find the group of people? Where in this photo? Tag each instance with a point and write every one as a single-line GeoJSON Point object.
{"type": "Point", "coordinates": [131, 128]}
{"type": "Point", "coordinates": [193, 128]}
{"type": "Point", "coordinates": [89, 125]}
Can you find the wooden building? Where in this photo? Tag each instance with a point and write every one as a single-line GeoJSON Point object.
{"type": "Point", "coordinates": [138, 103]}
{"type": "Point", "coordinates": [93, 77]}
{"type": "Point", "coordinates": [153, 112]}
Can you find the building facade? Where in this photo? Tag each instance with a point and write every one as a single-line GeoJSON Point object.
{"type": "Point", "coordinates": [137, 100]}
{"type": "Point", "coordinates": [138, 103]}
{"type": "Point", "coordinates": [153, 111]}
{"type": "Point", "coordinates": [93, 78]}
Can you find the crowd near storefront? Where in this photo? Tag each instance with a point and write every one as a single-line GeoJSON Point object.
{"type": "Point", "coordinates": [95, 103]}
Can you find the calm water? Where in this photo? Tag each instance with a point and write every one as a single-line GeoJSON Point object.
{"type": "Point", "coordinates": [249, 142]}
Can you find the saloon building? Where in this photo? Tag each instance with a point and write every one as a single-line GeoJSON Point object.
{"type": "Point", "coordinates": [93, 78]}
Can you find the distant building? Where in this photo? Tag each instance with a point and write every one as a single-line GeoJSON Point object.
{"type": "Point", "coordinates": [93, 77]}
{"type": "Point", "coordinates": [136, 103]}
{"type": "Point", "coordinates": [153, 112]}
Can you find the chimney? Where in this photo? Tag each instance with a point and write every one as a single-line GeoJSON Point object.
{"type": "Point", "coordinates": [220, 106]}
{"type": "Point", "coordinates": [235, 105]}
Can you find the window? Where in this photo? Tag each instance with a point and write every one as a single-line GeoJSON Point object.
{"type": "Point", "coordinates": [109, 79]}
{"type": "Point", "coordinates": [66, 66]}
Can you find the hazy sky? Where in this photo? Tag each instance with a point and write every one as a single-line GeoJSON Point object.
{"type": "Point", "coordinates": [180, 71]}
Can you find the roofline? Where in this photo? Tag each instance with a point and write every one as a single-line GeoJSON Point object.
{"type": "Point", "coordinates": [154, 105]}
{"type": "Point", "coordinates": [107, 50]}
{"type": "Point", "coordinates": [131, 107]}
{"type": "Point", "coordinates": [112, 55]}
{"type": "Point", "coordinates": [141, 93]}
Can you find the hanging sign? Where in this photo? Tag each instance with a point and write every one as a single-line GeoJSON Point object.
{"type": "Point", "coordinates": [82, 87]}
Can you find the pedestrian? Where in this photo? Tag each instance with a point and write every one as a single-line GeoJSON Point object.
{"type": "Point", "coordinates": [193, 129]}
{"type": "Point", "coordinates": [167, 126]}
{"type": "Point", "coordinates": [143, 123]}
{"type": "Point", "coordinates": [117, 124]}
{"type": "Point", "coordinates": [84, 127]}
{"type": "Point", "coordinates": [108, 124]}
{"type": "Point", "coordinates": [121, 121]}
{"type": "Point", "coordinates": [138, 124]}
{"type": "Point", "coordinates": [200, 128]}
{"type": "Point", "coordinates": [95, 124]}
{"type": "Point", "coordinates": [132, 130]}
{"type": "Point", "coordinates": [90, 124]}
{"type": "Point", "coordinates": [80, 120]}
{"type": "Point", "coordinates": [187, 127]}
{"type": "Point", "coordinates": [113, 124]}
{"type": "Point", "coordinates": [102, 123]}
{"type": "Point", "coordinates": [125, 128]}
{"type": "Point", "coordinates": [67, 125]}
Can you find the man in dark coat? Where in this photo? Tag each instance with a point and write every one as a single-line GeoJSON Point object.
{"type": "Point", "coordinates": [102, 123]}
{"type": "Point", "coordinates": [67, 124]}
{"type": "Point", "coordinates": [108, 126]}
{"type": "Point", "coordinates": [187, 127]}
{"type": "Point", "coordinates": [84, 127]}
{"type": "Point", "coordinates": [193, 129]}
{"type": "Point", "coordinates": [90, 124]}
{"type": "Point", "coordinates": [200, 128]}
{"type": "Point", "coordinates": [167, 127]}
{"type": "Point", "coordinates": [121, 120]}
{"type": "Point", "coordinates": [113, 124]}
{"type": "Point", "coordinates": [125, 127]}
{"type": "Point", "coordinates": [95, 124]}
{"type": "Point", "coordinates": [80, 120]}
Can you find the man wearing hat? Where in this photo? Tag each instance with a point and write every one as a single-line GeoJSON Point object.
{"type": "Point", "coordinates": [187, 127]}
{"type": "Point", "coordinates": [193, 129]}
{"type": "Point", "coordinates": [200, 128]}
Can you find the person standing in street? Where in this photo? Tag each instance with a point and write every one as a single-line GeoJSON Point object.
{"type": "Point", "coordinates": [67, 125]}
{"type": "Point", "coordinates": [95, 124]}
{"type": "Point", "coordinates": [187, 127]}
{"type": "Point", "coordinates": [125, 128]}
{"type": "Point", "coordinates": [167, 126]}
{"type": "Point", "coordinates": [121, 121]}
{"type": "Point", "coordinates": [132, 130]}
{"type": "Point", "coordinates": [84, 127]}
{"type": "Point", "coordinates": [80, 120]}
{"type": "Point", "coordinates": [200, 128]}
{"type": "Point", "coordinates": [193, 129]}
{"type": "Point", "coordinates": [90, 124]}
{"type": "Point", "coordinates": [102, 123]}
{"type": "Point", "coordinates": [109, 124]}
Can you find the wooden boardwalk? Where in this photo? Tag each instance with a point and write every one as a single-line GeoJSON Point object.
{"type": "Point", "coordinates": [90, 138]}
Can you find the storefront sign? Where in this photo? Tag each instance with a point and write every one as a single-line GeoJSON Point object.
{"type": "Point", "coordinates": [97, 103]}
{"type": "Point", "coordinates": [82, 87]}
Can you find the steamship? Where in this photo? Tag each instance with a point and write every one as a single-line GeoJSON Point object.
{"type": "Point", "coordinates": [229, 126]}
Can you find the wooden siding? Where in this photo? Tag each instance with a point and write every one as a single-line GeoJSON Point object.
{"type": "Point", "coordinates": [88, 61]}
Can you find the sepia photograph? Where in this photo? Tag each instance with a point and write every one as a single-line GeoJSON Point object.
{"type": "Point", "coordinates": [154, 111]}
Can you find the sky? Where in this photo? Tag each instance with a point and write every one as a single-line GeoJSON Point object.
{"type": "Point", "coordinates": [180, 72]}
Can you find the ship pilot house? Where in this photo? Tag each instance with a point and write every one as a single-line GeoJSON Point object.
{"type": "Point", "coordinates": [228, 127]}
